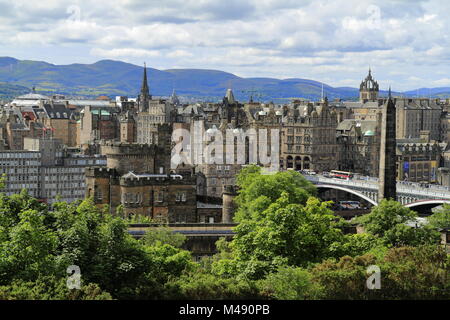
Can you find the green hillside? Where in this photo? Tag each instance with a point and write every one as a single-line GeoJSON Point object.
{"type": "Point", "coordinates": [112, 78]}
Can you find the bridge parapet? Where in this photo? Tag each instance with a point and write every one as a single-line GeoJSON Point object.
{"type": "Point", "coordinates": [368, 188]}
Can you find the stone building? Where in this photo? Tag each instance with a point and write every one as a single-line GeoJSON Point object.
{"type": "Point", "coordinates": [412, 114]}
{"type": "Point", "coordinates": [61, 121]}
{"type": "Point", "coordinates": [22, 170]}
{"type": "Point", "coordinates": [98, 123]}
{"type": "Point", "coordinates": [214, 121]}
{"type": "Point", "coordinates": [418, 160]}
{"type": "Point", "coordinates": [152, 113]}
{"type": "Point", "coordinates": [359, 142]}
{"type": "Point", "coordinates": [418, 114]}
{"type": "Point", "coordinates": [308, 139]}
{"type": "Point", "coordinates": [137, 178]}
{"type": "Point", "coordinates": [128, 127]}
{"type": "Point", "coordinates": [46, 170]}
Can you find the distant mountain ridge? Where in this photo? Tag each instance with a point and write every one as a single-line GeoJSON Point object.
{"type": "Point", "coordinates": [112, 78]}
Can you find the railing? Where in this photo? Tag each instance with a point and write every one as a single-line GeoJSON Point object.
{"type": "Point", "coordinates": [409, 188]}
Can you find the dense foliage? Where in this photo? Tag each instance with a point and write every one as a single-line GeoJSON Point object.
{"type": "Point", "coordinates": [441, 219]}
{"type": "Point", "coordinates": [288, 245]}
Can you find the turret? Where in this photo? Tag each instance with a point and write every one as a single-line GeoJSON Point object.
{"type": "Point", "coordinates": [228, 205]}
{"type": "Point", "coordinates": [368, 89]}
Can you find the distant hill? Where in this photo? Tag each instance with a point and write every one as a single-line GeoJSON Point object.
{"type": "Point", "coordinates": [112, 78]}
{"type": "Point", "coordinates": [9, 91]}
{"type": "Point", "coordinates": [441, 92]}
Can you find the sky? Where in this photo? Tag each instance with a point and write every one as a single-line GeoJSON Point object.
{"type": "Point", "coordinates": [405, 43]}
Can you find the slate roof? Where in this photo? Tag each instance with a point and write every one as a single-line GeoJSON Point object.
{"type": "Point", "coordinates": [57, 111]}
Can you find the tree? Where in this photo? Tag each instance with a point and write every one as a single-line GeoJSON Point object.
{"type": "Point", "coordinates": [358, 244]}
{"type": "Point", "coordinates": [290, 283]}
{"type": "Point", "coordinates": [345, 278]}
{"type": "Point", "coordinates": [387, 221]}
{"type": "Point", "coordinates": [108, 256]}
{"type": "Point", "coordinates": [27, 249]}
{"type": "Point", "coordinates": [284, 234]}
{"type": "Point", "coordinates": [203, 286]}
{"type": "Point", "coordinates": [163, 235]}
{"type": "Point", "coordinates": [37, 245]}
{"type": "Point", "coordinates": [441, 219]}
{"type": "Point", "coordinates": [50, 288]}
{"type": "Point", "coordinates": [406, 273]}
{"type": "Point", "coordinates": [258, 191]}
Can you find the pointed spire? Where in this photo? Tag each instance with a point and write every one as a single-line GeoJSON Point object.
{"type": "Point", "coordinates": [230, 96]}
{"type": "Point", "coordinates": [174, 98]}
{"type": "Point", "coordinates": [390, 96]}
{"type": "Point", "coordinates": [144, 96]}
{"type": "Point", "coordinates": [144, 88]}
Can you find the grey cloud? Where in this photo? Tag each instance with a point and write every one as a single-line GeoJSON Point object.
{"type": "Point", "coordinates": [258, 36]}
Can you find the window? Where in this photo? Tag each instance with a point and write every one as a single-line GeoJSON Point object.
{"type": "Point", "coordinates": [160, 196]}
{"type": "Point", "coordinates": [181, 218]}
{"type": "Point", "coordinates": [98, 195]}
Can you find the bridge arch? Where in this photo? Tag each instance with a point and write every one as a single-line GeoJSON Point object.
{"type": "Point", "coordinates": [427, 202]}
{"type": "Point", "coordinates": [356, 193]}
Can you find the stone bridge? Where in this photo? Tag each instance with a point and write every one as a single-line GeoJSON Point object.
{"type": "Point", "coordinates": [408, 193]}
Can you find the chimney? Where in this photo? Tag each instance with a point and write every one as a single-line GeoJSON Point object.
{"type": "Point", "coordinates": [425, 136]}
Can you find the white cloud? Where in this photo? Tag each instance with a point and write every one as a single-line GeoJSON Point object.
{"type": "Point", "coordinates": [442, 82]}
{"type": "Point", "coordinates": [407, 43]}
{"type": "Point", "coordinates": [124, 53]}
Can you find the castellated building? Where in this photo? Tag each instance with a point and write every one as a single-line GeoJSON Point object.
{"type": "Point", "coordinates": [137, 178]}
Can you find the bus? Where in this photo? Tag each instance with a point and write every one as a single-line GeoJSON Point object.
{"type": "Point", "coordinates": [341, 174]}
{"type": "Point", "coordinates": [349, 205]}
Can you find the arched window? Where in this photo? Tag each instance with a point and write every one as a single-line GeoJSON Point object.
{"type": "Point", "coordinates": [298, 163]}
{"type": "Point", "coordinates": [290, 163]}
{"type": "Point", "coordinates": [306, 162]}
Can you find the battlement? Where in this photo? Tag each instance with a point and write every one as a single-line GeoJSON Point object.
{"type": "Point", "coordinates": [100, 172]}
{"type": "Point", "coordinates": [133, 179]}
{"type": "Point", "coordinates": [121, 148]}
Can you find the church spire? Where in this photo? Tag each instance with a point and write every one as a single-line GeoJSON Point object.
{"type": "Point", "coordinates": [144, 96]}
{"type": "Point", "coordinates": [144, 87]}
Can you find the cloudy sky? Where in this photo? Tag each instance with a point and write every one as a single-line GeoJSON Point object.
{"type": "Point", "coordinates": [406, 43]}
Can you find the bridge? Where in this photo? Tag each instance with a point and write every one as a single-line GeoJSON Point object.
{"type": "Point", "coordinates": [200, 237]}
{"type": "Point", "coordinates": [408, 193]}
